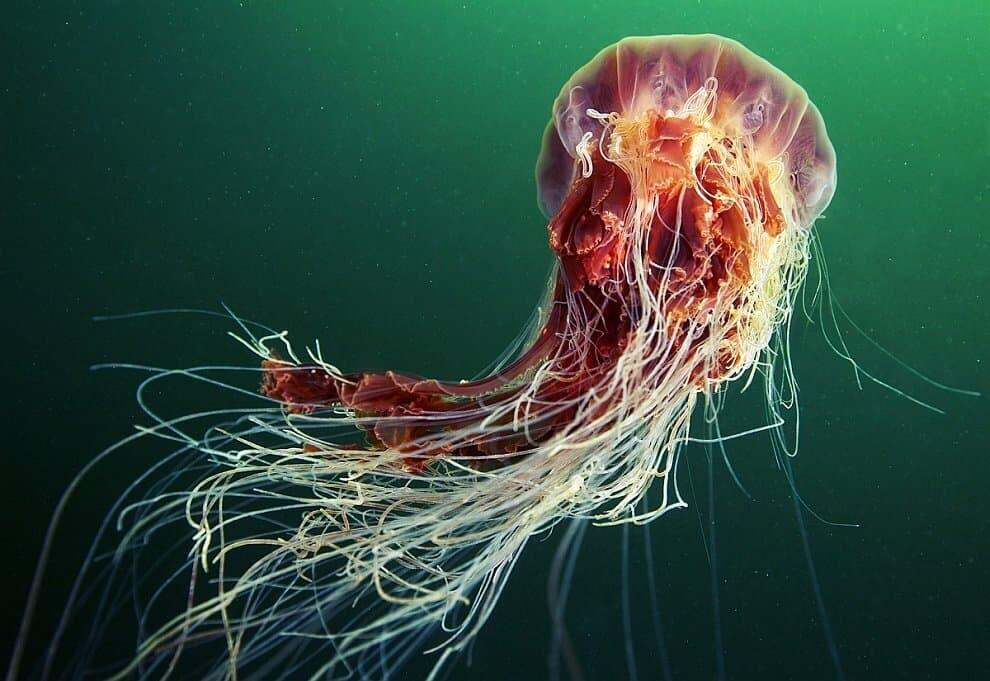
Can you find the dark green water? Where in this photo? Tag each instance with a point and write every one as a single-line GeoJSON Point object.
{"type": "Point", "coordinates": [362, 173]}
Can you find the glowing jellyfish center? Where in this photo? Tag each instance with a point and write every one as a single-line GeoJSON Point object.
{"type": "Point", "coordinates": [681, 176]}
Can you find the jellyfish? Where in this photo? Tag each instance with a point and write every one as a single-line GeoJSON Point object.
{"type": "Point", "coordinates": [358, 517]}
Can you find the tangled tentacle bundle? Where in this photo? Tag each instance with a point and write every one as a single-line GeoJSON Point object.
{"type": "Point", "coordinates": [370, 510]}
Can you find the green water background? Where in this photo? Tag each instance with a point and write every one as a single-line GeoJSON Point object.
{"type": "Point", "coordinates": [362, 173]}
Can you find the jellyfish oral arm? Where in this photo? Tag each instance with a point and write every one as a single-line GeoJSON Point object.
{"type": "Point", "coordinates": [657, 240]}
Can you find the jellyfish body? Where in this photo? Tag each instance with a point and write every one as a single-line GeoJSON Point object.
{"type": "Point", "coordinates": [681, 176]}
{"type": "Point", "coordinates": [669, 169]}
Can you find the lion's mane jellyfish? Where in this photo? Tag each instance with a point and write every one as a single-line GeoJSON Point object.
{"type": "Point", "coordinates": [376, 511]}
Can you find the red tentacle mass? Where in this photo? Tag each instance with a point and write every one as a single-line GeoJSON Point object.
{"type": "Point", "coordinates": [697, 249]}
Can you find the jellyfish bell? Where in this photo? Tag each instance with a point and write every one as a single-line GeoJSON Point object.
{"type": "Point", "coordinates": [681, 176]}
{"type": "Point", "coordinates": [728, 92]}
